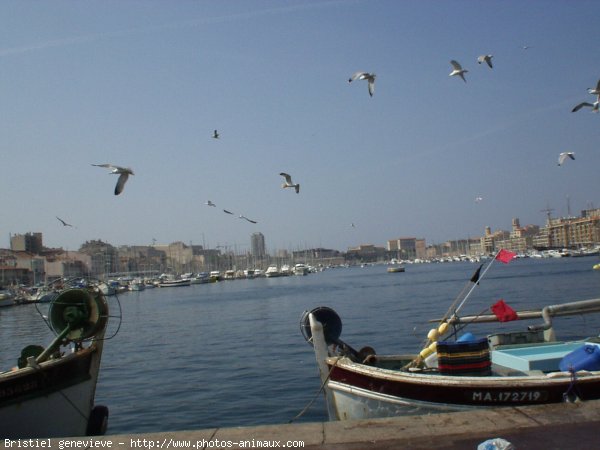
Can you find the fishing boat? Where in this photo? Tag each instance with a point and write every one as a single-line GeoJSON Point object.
{"type": "Point", "coordinates": [461, 372]}
{"type": "Point", "coordinates": [395, 269]}
{"type": "Point", "coordinates": [50, 392]}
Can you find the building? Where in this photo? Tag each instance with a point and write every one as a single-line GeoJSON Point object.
{"type": "Point", "coordinates": [28, 242]}
{"type": "Point", "coordinates": [366, 253]}
{"type": "Point", "coordinates": [574, 232]}
{"type": "Point", "coordinates": [257, 246]}
{"type": "Point", "coordinates": [403, 248]}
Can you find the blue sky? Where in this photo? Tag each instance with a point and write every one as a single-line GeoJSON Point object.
{"type": "Point", "coordinates": [143, 84]}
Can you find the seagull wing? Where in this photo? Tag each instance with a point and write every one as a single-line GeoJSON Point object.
{"type": "Point", "coordinates": [288, 178]}
{"type": "Point", "coordinates": [121, 182]}
{"type": "Point", "coordinates": [356, 76]}
{"type": "Point", "coordinates": [488, 60]}
{"type": "Point", "coordinates": [456, 65]}
{"type": "Point", "coordinates": [227, 212]}
{"type": "Point", "coordinates": [561, 158]}
{"type": "Point", "coordinates": [571, 155]}
{"type": "Point", "coordinates": [581, 105]}
{"type": "Point", "coordinates": [106, 166]}
{"type": "Point", "coordinates": [244, 217]}
{"type": "Point", "coordinates": [371, 86]}
{"type": "Point", "coordinates": [297, 188]}
{"type": "Point", "coordinates": [63, 222]}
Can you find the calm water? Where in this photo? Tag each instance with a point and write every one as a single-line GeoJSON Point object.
{"type": "Point", "coordinates": [231, 353]}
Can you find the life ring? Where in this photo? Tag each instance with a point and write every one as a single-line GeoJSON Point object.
{"type": "Point", "coordinates": [98, 421]}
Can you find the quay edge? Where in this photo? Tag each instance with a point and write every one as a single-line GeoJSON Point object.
{"type": "Point", "coordinates": [567, 425]}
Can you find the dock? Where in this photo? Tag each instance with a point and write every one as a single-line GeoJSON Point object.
{"type": "Point", "coordinates": [558, 426]}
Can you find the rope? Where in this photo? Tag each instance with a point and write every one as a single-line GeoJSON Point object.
{"type": "Point", "coordinates": [321, 389]}
{"type": "Point", "coordinates": [572, 389]}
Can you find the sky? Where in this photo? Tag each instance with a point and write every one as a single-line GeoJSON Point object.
{"type": "Point", "coordinates": [143, 84]}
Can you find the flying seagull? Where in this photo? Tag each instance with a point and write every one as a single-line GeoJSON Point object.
{"type": "Point", "coordinates": [485, 59]}
{"type": "Point", "coordinates": [209, 203]}
{"type": "Point", "coordinates": [63, 222]}
{"type": "Point", "coordinates": [563, 157]}
{"type": "Point", "coordinates": [289, 183]}
{"type": "Point", "coordinates": [594, 105]}
{"type": "Point", "coordinates": [526, 47]}
{"type": "Point", "coordinates": [370, 77]}
{"type": "Point", "coordinates": [227, 212]}
{"type": "Point", "coordinates": [244, 217]}
{"type": "Point", "coordinates": [123, 172]}
{"type": "Point", "coordinates": [478, 199]}
{"type": "Point", "coordinates": [215, 134]}
{"type": "Point", "coordinates": [596, 90]}
{"type": "Point", "coordinates": [458, 70]}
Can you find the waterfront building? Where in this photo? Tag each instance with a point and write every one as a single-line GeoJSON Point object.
{"type": "Point", "coordinates": [403, 248]}
{"type": "Point", "coordinates": [28, 242]}
{"type": "Point", "coordinates": [366, 253]}
{"type": "Point", "coordinates": [573, 232]}
{"type": "Point", "coordinates": [257, 246]}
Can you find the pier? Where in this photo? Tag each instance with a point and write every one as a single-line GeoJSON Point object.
{"type": "Point", "coordinates": [558, 426]}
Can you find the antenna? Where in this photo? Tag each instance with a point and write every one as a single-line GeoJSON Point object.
{"type": "Point", "coordinates": [548, 212]}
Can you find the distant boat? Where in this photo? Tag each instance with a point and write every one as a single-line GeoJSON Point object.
{"type": "Point", "coordinates": [285, 270]}
{"type": "Point", "coordinates": [229, 275]}
{"type": "Point", "coordinates": [272, 272]}
{"type": "Point", "coordinates": [200, 278]}
{"type": "Point", "coordinates": [395, 269]}
{"type": "Point", "coordinates": [301, 269]}
{"type": "Point", "coordinates": [175, 283]}
{"type": "Point", "coordinates": [7, 298]}
{"type": "Point", "coordinates": [215, 275]}
{"type": "Point", "coordinates": [51, 391]}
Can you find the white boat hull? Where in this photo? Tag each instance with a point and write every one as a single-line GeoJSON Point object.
{"type": "Point", "coordinates": [355, 403]}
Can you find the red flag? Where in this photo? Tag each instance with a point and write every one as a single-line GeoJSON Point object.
{"type": "Point", "coordinates": [503, 312]}
{"type": "Point", "coordinates": [505, 256]}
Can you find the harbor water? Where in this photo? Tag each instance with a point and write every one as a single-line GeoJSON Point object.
{"type": "Point", "coordinates": [231, 353]}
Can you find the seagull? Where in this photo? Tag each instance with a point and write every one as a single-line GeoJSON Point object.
{"type": "Point", "coordinates": [564, 155]}
{"type": "Point", "coordinates": [370, 77]}
{"type": "Point", "coordinates": [478, 199]}
{"type": "Point", "coordinates": [594, 105]}
{"type": "Point", "coordinates": [215, 134]}
{"type": "Point", "coordinates": [289, 183]}
{"type": "Point", "coordinates": [352, 225]}
{"type": "Point", "coordinates": [123, 172]}
{"type": "Point", "coordinates": [63, 222]}
{"type": "Point", "coordinates": [596, 90]}
{"type": "Point", "coordinates": [209, 203]}
{"type": "Point", "coordinates": [244, 217]}
{"type": "Point", "coordinates": [458, 70]}
{"type": "Point", "coordinates": [485, 59]}
{"type": "Point", "coordinates": [227, 212]}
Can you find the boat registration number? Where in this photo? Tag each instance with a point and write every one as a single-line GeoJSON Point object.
{"type": "Point", "coordinates": [509, 396]}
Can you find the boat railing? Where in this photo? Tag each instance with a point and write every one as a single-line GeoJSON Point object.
{"type": "Point", "coordinates": [565, 309]}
